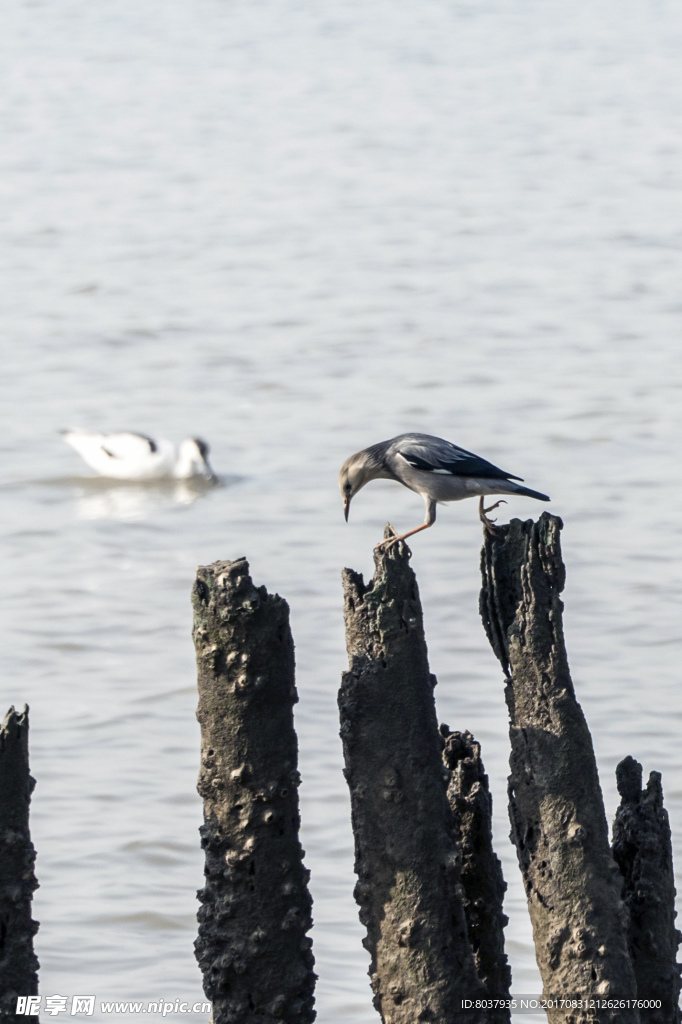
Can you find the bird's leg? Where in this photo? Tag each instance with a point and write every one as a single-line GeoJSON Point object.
{"type": "Point", "coordinates": [489, 524]}
{"type": "Point", "coordinates": [390, 541]}
{"type": "Point", "coordinates": [429, 521]}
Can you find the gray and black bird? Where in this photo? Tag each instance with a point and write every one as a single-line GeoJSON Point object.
{"type": "Point", "coordinates": [437, 469]}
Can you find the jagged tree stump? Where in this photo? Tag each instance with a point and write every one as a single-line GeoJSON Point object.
{"type": "Point", "coordinates": [18, 963]}
{"type": "Point", "coordinates": [406, 856]}
{"type": "Point", "coordinates": [482, 880]}
{"type": "Point", "coordinates": [642, 848]}
{"type": "Point", "coordinates": [255, 956]}
{"type": "Point", "coordinates": [556, 808]}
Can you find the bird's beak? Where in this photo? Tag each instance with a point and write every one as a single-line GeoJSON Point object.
{"type": "Point", "coordinates": [346, 507]}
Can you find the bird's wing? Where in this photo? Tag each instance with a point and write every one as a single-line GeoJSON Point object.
{"type": "Point", "coordinates": [434, 455]}
{"type": "Point", "coordinates": [128, 446]}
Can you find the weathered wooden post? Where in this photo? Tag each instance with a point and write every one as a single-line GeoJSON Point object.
{"type": "Point", "coordinates": [18, 963]}
{"type": "Point", "coordinates": [406, 856]}
{"type": "Point", "coordinates": [642, 848]}
{"type": "Point", "coordinates": [255, 956]}
{"type": "Point", "coordinates": [572, 882]}
{"type": "Point", "coordinates": [482, 881]}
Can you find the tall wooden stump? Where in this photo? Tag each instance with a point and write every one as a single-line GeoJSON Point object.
{"type": "Point", "coordinates": [255, 956]}
{"type": "Point", "coordinates": [557, 813]}
{"type": "Point", "coordinates": [406, 856]}
{"type": "Point", "coordinates": [18, 963]}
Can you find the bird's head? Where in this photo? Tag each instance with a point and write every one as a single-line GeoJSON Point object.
{"type": "Point", "coordinates": [355, 473]}
{"type": "Point", "coordinates": [193, 459]}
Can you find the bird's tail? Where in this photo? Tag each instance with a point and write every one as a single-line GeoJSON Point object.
{"type": "Point", "coordinates": [527, 492]}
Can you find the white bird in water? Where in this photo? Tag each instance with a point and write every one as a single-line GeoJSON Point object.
{"type": "Point", "coordinates": [434, 468]}
{"type": "Point", "coordinates": [129, 456]}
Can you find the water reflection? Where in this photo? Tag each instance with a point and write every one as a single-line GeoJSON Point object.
{"type": "Point", "coordinates": [123, 500]}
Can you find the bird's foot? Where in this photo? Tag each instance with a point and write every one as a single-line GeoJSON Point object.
{"type": "Point", "coordinates": [489, 524]}
{"type": "Point", "coordinates": [389, 541]}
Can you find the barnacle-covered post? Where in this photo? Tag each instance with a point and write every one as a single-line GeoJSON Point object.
{"type": "Point", "coordinates": [18, 962]}
{"type": "Point", "coordinates": [253, 950]}
{"type": "Point", "coordinates": [642, 847]}
{"type": "Point", "coordinates": [406, 856]}
{"type": "Point", "coordinates": [483, 884]}
{"type": "Point", "coordinates": [556, 808]}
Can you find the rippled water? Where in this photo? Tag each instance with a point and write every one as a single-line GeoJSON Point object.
{"type": "Point", "coordinates": [297, 229]}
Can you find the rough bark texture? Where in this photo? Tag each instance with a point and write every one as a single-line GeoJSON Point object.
{"type": "Point", "coordinates": [556, 809]}
{"type": "Point", "coordinates": [255, 956]}
{"type": "Point", "coordinates": [482, 880]}
{"type": "Point", "coordinates": [406, 858]}
{"type": "Point", "coordinates": [18, 963]}
{"type": "Point", "coordinates": [643, 851]}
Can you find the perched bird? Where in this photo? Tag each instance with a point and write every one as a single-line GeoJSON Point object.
{"type": "Point", "coordinates": [434, 468]}
{"type": "Point", "coordinates": [138, 457]}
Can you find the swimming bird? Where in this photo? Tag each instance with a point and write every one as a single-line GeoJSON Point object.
{"type": "Point", "coordinates": [436, 469]}
{"type": "Point", "coordinates": [129, 456]}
